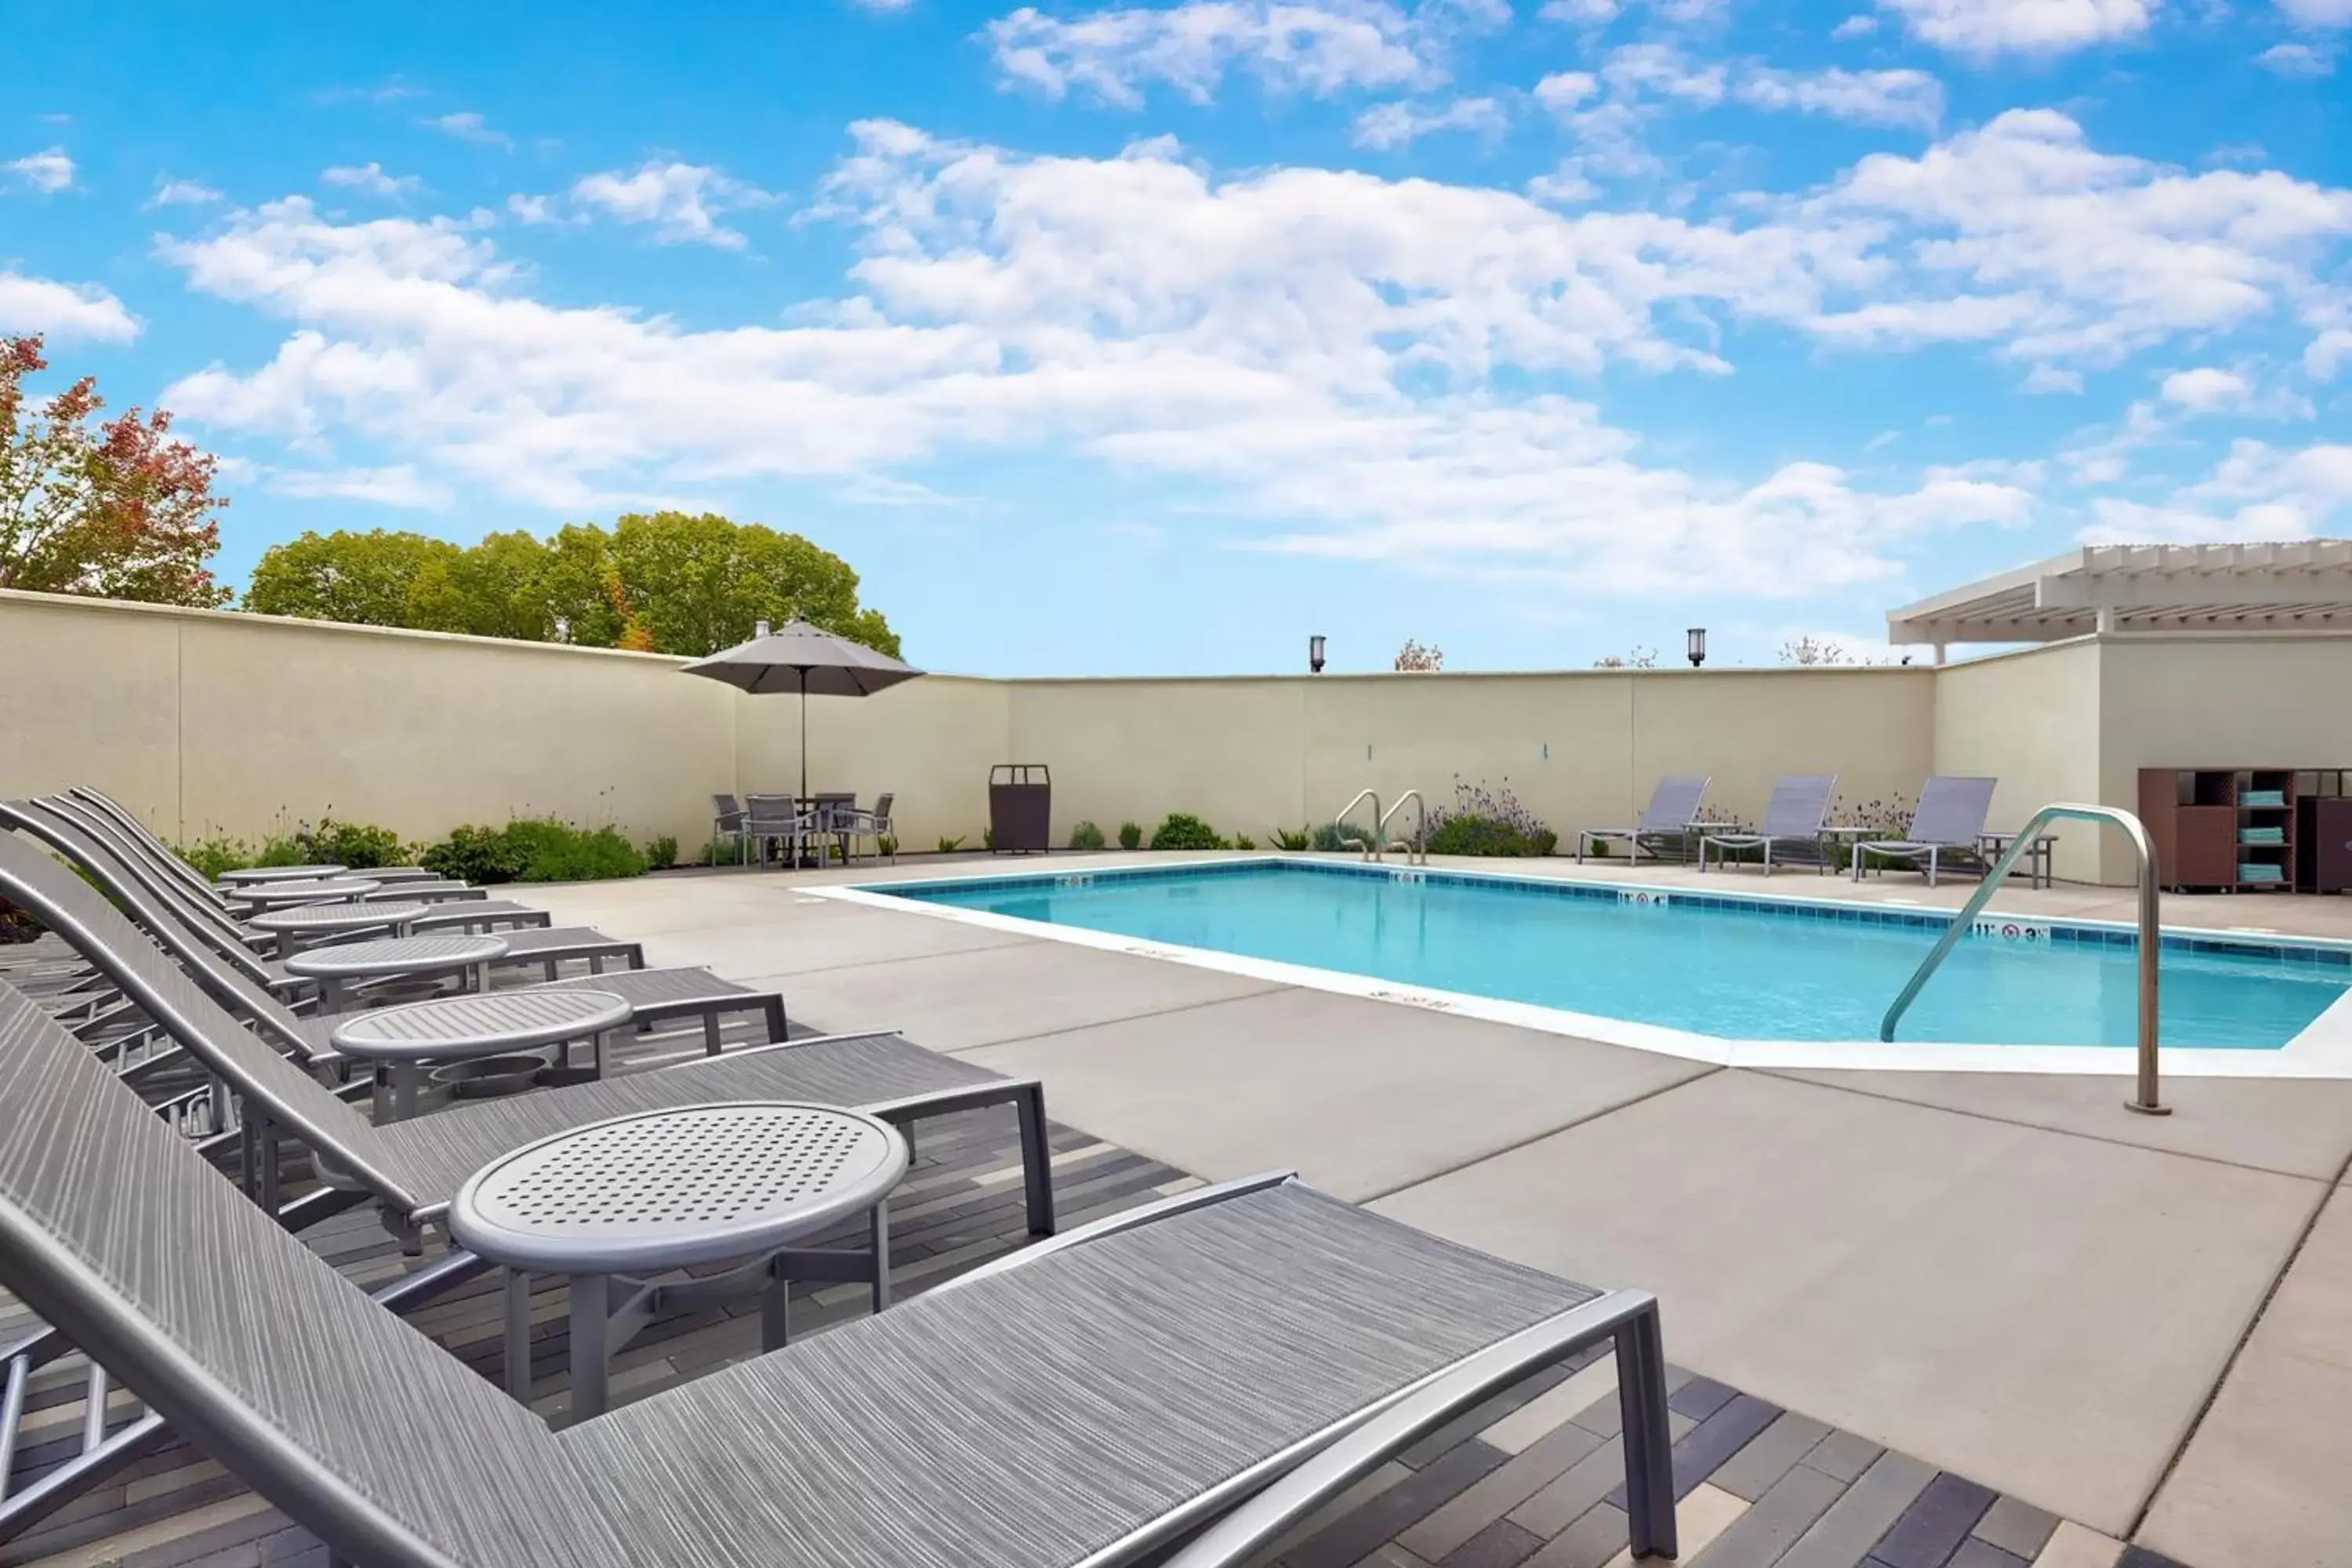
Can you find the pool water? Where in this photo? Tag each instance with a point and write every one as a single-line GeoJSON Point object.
{"type": "Point", "coordinates": [1727, 968]}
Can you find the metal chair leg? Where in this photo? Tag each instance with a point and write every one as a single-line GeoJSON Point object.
{"type": "Point", "coordinates": [1649, 1442]}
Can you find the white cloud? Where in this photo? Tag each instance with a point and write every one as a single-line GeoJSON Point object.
{"type": "Point", "coordinates": [2023, 234]}
{"type": "Point", "coordinates": [1340, 357]}
{"type": "Point", "coordinates": [532, 209]}
{"type": "Point", "coordinates": [1986, 28]}
{"type": "Point", "coordinates": [49, 170]}
{"type": "Point", "coordinates": [1861, 25]}
{"type": "Point", "coordinates": [1585, 13]}
{"type": "Point", "coordinates": [1313, 47]}
{"type": "Point", "coordinates": [2205, 390]}
{"type": "Point", "coordinates": [882, 5]}
{"type": "Point", "coordinates": [2259, 493]}
{"type": "Point", "coordinates": [1389, 125]}
{"type": "Point", "coordinates": [2043, 379]}
{"type": "Point", "coordinates": [369, 179]}
{"type": "Point", "coordinates": [2297, 60]}
{"type": "Point", "coordinates": [1896, 97]}
{"type": "Point", "coordinates": [2326, 351]}
{"type": "Point", "coordinates": [63, 310]}
{"type": "Point", "coordinates": [2317, 13]}
{"type": "Point", "coordinates": [468, 126]}
{"type": "Point", "coordinates": [1563, 90]}
{"type": "Point", "coordinates": [182, 194]}
{"type": "Point", "coordinates": [400, 485]}
{"type": "Point", "coordinates": [682, 201]}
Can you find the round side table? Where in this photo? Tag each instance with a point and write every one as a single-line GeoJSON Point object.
{"type": "Point", "coordinates": [308, 890]}
{"type": "Point", "coordinates": [253, 874]}
{"type": "Point", "coordinates": [401, 1041]}
{"type": "Point", "coordinates": [335, 967]}
{"type": "Point", "coordinates": [672, 1189]}
{"type": "Point", "coordinates": [308, 925]}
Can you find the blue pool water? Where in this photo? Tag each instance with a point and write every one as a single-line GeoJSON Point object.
{"type": "Point", "coordinates": [1725, 969]}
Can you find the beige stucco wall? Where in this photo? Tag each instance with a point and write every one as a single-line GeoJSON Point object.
{"type": "Point", "coordinates": [2031, 721]}
{"type": "Point", "coordinates": [212, 723]}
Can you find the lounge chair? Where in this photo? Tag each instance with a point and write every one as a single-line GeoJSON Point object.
{"type": "Point", "coordinates": [154, 858]}
{"type": "Point", "coordinates": [1673, 807]}
{"type": "Point", "coordinates": [413, 1168]}
{"type": "Point", "coordinates": [1948, 821]}
{"type": "Point", "coordinates": [1797, 812]}
{"type": "Point", "coordinates": [655, 996]}
{"type": "Point", "coordinates": [1180, 1383]}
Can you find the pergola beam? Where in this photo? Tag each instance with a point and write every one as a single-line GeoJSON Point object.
{"type": "Point", "coordinates": [2303, 585]}
{"type": "Point", "coordinates": [2129, 591]}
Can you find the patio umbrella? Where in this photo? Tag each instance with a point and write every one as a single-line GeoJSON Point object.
{"type": "Point", "coordinates": [803, 658]}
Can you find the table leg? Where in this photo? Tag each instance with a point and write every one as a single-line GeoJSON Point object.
{"type": "Point", "coordinates": [882, 1255]}
{"type": "Point", "coordinates": [481, 973]}
{"type": "Point", "coordinates": [603, 1038]}
{"type": "Point", "coordinates": [592, 1298]}
{"type": "Point", "coordinates": [776, 1309]}
{"type": "Point", "coordinates": [380, 1093]}
{"type": "Point", "coordinates": [331, 994]}
{"type": "Point", "coordinates": [518, 1333]}
{"type": "Point", "coordinates": [404, 1090]}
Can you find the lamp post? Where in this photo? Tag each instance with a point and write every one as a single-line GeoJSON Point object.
{"type": "Point", "coordinates": [1314, 654]}
{"type": "Point", "coordinates": [1695, 641]}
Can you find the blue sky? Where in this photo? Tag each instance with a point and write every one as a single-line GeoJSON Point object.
{"type": "Point", "coordinates": [1152, 337]}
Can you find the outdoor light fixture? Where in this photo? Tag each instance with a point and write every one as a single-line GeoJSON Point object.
{"type": "Point", "coordinates": [1314, 654]}
{"type": "Point", "coordinates": [759, 628]}
{"type": "Point", "coordinates": [1696, 642]}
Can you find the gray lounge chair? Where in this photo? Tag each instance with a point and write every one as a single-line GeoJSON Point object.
{"type": "Point", "coordinates": [1673, 807]}
{"type": "Point", "coordinates": [1180, 1383]}
{"type": "Point", "coordinates": [1797, 812]}
{"type": "Point", "coordinates": [413, 1168]}
{"type": "Point", "coordinates": [1948, 822]}
{"type": "Point", "coordinates": [259, 986]}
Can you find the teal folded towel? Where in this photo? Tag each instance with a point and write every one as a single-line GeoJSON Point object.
{"type": "Point", "coordinates": [2255, 873]}
{"type": "Point", "coordinates": [2262, 798]}
{"type": "Point", "coordinates": [2261, 836]}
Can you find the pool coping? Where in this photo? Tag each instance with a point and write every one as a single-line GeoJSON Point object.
{"type": "Point", "coordinates": [2323, 1049]}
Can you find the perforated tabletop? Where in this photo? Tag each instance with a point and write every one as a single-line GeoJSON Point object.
{"type": "Point", "coordinates": [454, 1028]}
{"type": "Point", "coordinates": [396, 955]}
{"type": "Point", "coordinates": [327, 890]}
{"type": "Point", "coordinates": [672, 1188]}
{"type": "Point", "coordinates": [311, 918]}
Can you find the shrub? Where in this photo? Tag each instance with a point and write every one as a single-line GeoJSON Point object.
{"type": "Point", "coordinates": [949, 846]}
{"type": "Point", "coordinates": [1086, 835]}
{"type": "Point", "coordinates": [1286, 840]}
{"type": "Point", "coordinates": [988, 839]}
{"type": "Point", "coordinates": [661, 853]}
{"type": "Point", "coordinates": [1485, 822]}
{"type": "Point", "coordinates": [885, 844]}
{"type": "Point", "coordinates": [210, 857]}
{"type": "Point", "coordinates": [535, 849]}
{"type": "Point", "coordinates": [1244, 841]}
{"type": "Point", "coordinates": [1130, 835]}
{"type": "Point", "coordinates": [1336, 836]}
{"type": "Point", "coordinates": [357, 844]}
{"type": "Point", "coordinates": [1182, 830]}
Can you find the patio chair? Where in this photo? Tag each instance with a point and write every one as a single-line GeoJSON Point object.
{"type": "Point", "coordinates": [1948, 821]}
{"type": "Point", "coordinates": [1673, 807]}
{"type": "Point", "coordinates": [769, 819]}
{"type": "Point", "coordinates": [1797, 812]}
{"type": "Point", "coordinates": [655, 996]}
{"type": "Point", "coordinates": [875, 824]}
{"type": "Point", "coordinates": [413, 1168]}
{"type": "Point", "coordinates": [727, 818]}
{"type": "Point", "coordinates": [1181, 1382]}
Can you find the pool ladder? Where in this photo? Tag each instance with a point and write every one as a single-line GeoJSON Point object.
{"type": "Point", "coordinates": [1416, 851]}
{"type": "Point", "coordinates": [2144, 1099]}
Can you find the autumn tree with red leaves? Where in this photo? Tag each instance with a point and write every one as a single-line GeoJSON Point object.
{"type": "Point", "coordinates": [116, 508]}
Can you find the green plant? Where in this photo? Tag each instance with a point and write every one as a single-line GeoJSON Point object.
{"type": "Point", "coordinates": [1244, 841]}
{"type": "Point", "coordinates": [949, 846]}
{"type": "Point", "coordinates": [1284, 839]}
{"type": "Point", "coordinates": [1086, 835]}
{"type": "Point", "coordinates": [885, 844]}
{"type": "Point", "coordinates": [535, 849]}
{"type": "Point", "coordinates": [357, 844]}
{"type": "Point", "coordinates": [661, 853]}
{"type": "Point", "coordinates": [212, 856]}
{"type": "Point", "coordinates": [1598, 849]}
{"type": "Point", "coordinates": [1182, 830]}
{"type": "Point", "coordinates": [474, 854]}
{"type": "Point", "coordinates": [1485, 822]}
{"type": "Point", "coordinates": [1333, 835]}
{"type": "Point", "coordinates": [988, 839]}
{"type": "Point", "coordinates": [16, 925]}
{"type": "Point", "coordinates": [1130, 835]}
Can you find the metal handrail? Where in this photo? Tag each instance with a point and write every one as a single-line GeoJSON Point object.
{"type": "Point", "coordinates": [1417, 852]}
{"type": "Point", "coordinates": [1372, 848]}
{"type": "Point", "coordinates": [2145, 1100]}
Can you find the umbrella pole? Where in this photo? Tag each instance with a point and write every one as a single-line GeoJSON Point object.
{"type": "Point", "coordinates": [804, 735]}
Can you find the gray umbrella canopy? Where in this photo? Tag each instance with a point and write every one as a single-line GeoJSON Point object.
{"type": "Point", "coordinates": [805, 659]}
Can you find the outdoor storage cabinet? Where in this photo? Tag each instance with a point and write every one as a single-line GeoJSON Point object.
{"type": "Point", "coordinates": [1020, 807]}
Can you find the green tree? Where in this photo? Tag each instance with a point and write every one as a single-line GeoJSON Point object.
{"type": "Point", "coordinates": [116, 509]}
{"type": "Point", "coordinates": [380, 578]}
{"type": "Point", "coordinates": [668, 582]}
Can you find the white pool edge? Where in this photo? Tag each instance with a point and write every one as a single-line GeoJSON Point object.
{"type": "Point", "coordinates": [2321, 1050]}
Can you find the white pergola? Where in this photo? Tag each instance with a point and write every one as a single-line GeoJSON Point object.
{"type": "Point", "coordinates": [2304, 586]}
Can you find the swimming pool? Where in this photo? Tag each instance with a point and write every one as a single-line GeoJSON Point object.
{"type": "Point", "coordinates": [1738, 967]}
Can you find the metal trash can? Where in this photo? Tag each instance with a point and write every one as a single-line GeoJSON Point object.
{"type": "Point", "coordinates": [1020, 808]}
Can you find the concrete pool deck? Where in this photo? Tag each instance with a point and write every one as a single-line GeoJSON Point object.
{"type": "Point", "coordinates": [2007, 1275]}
